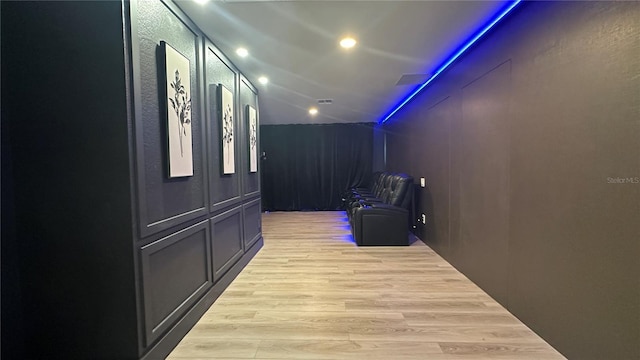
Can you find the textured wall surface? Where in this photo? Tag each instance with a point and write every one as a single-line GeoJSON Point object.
{"type": "Point", "coordinates": [248, 96]}
{"type": "Point", "coordinates": [217, 72]}
{"type": "Point", "coordinates": [530, 145]}
{"type": "Point", "coordinates": [112, 258]}
{"type": "Point", "coordinates": [165, 202]}
{"type": "Point", "coordinates": [65, 113]}
{"type": "Point", "coordinates": [192, 230]}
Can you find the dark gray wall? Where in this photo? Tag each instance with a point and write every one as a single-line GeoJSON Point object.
{"type": "Point", "coordinates": [116, 259]}
{"type": "Point", "coordinates": [192, 230]}
{"type": "Point", "coordinates": [64, 106]}
{"type": "Point", "coordinates": [217, 72]}
{"type": "Point", "coordinates": [251, 184]}
{"type": "Point", "coordinates": [165, 202]}
{"type": "Point", "coordinates": [522, 142]}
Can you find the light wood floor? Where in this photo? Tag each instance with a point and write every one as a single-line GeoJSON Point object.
{"type": "Point", "coordinates": [311, 293]}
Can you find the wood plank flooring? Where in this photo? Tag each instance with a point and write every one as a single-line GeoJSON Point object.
{"type": "Point", "coordinates": [311, 293]}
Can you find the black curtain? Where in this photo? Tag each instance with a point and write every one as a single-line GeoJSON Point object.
{"type": "Point", "coordinates": [308, 167]}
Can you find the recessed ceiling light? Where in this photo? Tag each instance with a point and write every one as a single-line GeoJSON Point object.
{"type": "Point", "coordinates": [313, 111]}
{"type": "Point", "coordinates": [242, 52]}
{"type": "Point", "coordinates": [201, 2]}
{"type": "Point", "coordinates": [263, 80]}
{"type": "Point", "coordinates": [348, 42]}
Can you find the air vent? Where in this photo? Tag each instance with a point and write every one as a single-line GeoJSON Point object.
{"type": "Point", "coordinates": [325, 101]}
{"type": "Point", "coordinates": [412, 79]}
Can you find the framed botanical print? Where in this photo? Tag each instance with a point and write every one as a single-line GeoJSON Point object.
{"type": "Point", "coordinates": [252, 127]}
{"type": "Point", "coordinates": [178, 95]}
{"type": "Point", "coordinates": [227, 129]}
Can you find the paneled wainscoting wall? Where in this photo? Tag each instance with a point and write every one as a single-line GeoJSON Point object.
{"type": "Point", "coordinates": [106, 248]}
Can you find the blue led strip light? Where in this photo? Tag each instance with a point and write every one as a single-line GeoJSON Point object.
{"type": "Point", "coordinates": [453, 58]}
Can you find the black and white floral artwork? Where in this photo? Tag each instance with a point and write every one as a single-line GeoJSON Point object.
{"type": "Point", "coordinates": [253, 138]}
{"type": "Point", "coordinates": [227, 130]}
{"type": "Point", "coordinates": [178, 92]}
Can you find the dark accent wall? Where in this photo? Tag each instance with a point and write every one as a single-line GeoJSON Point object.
{"type": "Point", "coordinates": [251, 181]}
{"type": "Point", "coordinates": [218, 72]}
{"type": "Point", "coordinates": [530, 146]}
{"type": "Point", "coordinates": [164, 203]}
{"type": "Point", "coordinates": [113, 259]}
{"type": "Point", "coordinates": [63, 101]}
{"type": "Point", "coordinates": [193, 236]}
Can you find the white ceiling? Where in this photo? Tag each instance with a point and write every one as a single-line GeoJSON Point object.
{"type": "Point", "coordinates": [295, 44]}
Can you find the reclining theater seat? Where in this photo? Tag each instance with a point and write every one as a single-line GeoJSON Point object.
{"type": "Point", "coordinates": [373, 193]}
{"type": "Point", "coordinates": [381, 216]}
{"type": "Point", "coordinates": [373, 186]}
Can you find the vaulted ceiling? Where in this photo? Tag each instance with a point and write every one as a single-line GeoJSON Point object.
{"type": "Point", "coordinates": [296, 45]}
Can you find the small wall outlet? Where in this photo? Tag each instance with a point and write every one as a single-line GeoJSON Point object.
{"type": "Point", "coordinates": [423, 182]}
{"type": "Point", "coordinates": [424, 219]}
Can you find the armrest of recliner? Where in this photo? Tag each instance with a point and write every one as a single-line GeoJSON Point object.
{"type": "Point", "coordinates": [380, 224]}
{"type": "Point", "coordinates": [360, 202]}
{"type": "Point", "coordinates": [364, 201]}
{"type": "Point", "coordinates": [381, 206]}
{"type": "Point", "coordinates": [369, 200]}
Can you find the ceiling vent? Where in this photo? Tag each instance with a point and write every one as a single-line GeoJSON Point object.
{"type": "Point", "coordinates": [325, 101]}
{"type": "Point", "coordinates": [412, 79]}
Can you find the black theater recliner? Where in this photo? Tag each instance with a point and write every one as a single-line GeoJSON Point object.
{"type": "Point", "coordinates": [380, 215]}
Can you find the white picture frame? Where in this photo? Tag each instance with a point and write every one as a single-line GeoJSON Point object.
{"type": "Point", "coordinates": [252, 136]}
{"type": "Point", "coordinates": [226, 115]}
{"type": "Point", "coordinates": [179, 121]}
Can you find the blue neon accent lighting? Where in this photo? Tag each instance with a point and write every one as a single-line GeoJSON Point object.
{"type": "Point", "coordinates": [453, 58]}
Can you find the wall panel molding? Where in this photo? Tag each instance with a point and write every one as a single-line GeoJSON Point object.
{"type": "Point", "coordinates": [252, 214]}
{"type": "Point", "coordinates": [224, 190]}
{"type": "Point", "coordinates": [248, 95]}
{"type": "Point", "coordinates": [227, 248]}
{"type": "Point", "coordinates": [163, 202]}
{"type": "Point", "coordinates": [176, 272]}
{"type": "Point", "coordinates": [163, 348]}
